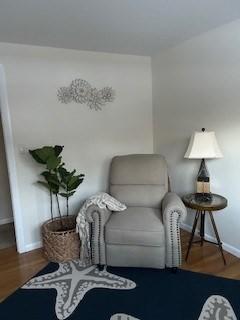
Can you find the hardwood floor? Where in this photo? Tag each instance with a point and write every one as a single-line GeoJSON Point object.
{"type": "Point", "coordinates": [207, 259]}
{"type": "Point", "coordinates": [16, 269]}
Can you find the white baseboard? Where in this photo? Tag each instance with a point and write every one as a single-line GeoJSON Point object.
{"type": "Point", "coordinates": [33, 246]}
{"type": "Point", "coordinates": [227, 247]}
{"type": "Point", "coordinates": [233, 250]}
{"type": "Point", "coordinates": [186, 227]}
{"type": "Point", "coordinates": [6, 220]}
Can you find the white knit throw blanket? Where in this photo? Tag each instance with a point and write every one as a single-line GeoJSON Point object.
{"type": "Point", "coordinates": [102, 200]}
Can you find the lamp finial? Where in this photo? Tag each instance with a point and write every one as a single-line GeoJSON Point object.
{"type": "Point", "coordinates": [203, 129]}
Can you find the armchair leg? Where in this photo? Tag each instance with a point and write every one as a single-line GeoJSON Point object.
{"type": "Point", "coordinates": [100, 267]}
{"type": "Point", "coordinates": [174, 270]}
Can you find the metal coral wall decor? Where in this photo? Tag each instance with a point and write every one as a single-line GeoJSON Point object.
{"type": "Point", "coordinates": [81, 91]}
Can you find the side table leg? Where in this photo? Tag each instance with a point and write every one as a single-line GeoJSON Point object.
{"type": "Point", "coordinates": [193, 232]}
{"type": "Point", "coordinates": [217, 236]}
{"type": "Point", "coordinates": [202, 227]}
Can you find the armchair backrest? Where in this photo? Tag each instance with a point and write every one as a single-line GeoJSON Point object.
{"type": "Point", "coordinates": [139, 180]}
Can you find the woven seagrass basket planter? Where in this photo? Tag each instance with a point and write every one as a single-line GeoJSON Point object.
{"type": "Point", "coordinates": [61, 243]}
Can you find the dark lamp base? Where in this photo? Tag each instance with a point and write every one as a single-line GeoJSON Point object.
{"type": "Point", "coordinates": [203, 197]}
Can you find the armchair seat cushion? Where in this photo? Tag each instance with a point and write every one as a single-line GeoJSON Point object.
{"type": "Point", "coordinates": [136, 226]}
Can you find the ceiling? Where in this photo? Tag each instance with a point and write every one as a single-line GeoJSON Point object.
{"type": "Point", "coordinates": [142, 27]}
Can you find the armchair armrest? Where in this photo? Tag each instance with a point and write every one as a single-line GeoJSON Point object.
{"type": "Point", "coordinates": [98, 218]}
{"type": "Point", "coordinates": [173, 211]}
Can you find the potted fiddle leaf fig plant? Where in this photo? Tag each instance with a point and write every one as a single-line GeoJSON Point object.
{"type": "Point", "coordinates": [60, 240]}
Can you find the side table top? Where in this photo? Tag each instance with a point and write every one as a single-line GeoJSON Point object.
{"type": "Point", "coordinates": [216, 203]}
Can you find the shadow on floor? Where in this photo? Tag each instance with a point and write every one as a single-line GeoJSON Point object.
{"type": "Point", "coordinates": [7, 236]}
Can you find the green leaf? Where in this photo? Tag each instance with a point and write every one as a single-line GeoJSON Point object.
{"type": "Point", "coordinates": [67, 177]}
{"type": "Point", "coordinates": [65, 195]}
{"type": "Point", "coordinates": [52, 180]}
{"type": "Point", "coordinates": [72, 180]}
{"type": "Point", "coordinates": [35, 156]}
{"type": "Point", "coordinates": [41, 155]}
{"type": "Point", "coordinates": [45, 174]}
{"type": "Point", "coordinates": [55, 190]}
{"type": "Point", "coordinates": [63, 174]}
{"type": "Point", "coordinates": [45, 153]}
{"type": "Point", "coordinates": [55, 183]}
{"type": "Point", "coordinates": [62, 171]}
{"type": "Point", "coordinates": [53, 162]}
{"type": "Point", "coordinates": [58, 150]}
{"type": "Point", "coordinates": [75, 185]}
{"type": "Point", "coordinates": [50, 176]}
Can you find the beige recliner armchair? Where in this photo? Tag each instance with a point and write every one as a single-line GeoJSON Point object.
{"type": "Point", "coordinates": [147, 233]}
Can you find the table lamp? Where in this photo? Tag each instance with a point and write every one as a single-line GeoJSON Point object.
{"type": "Point", "coordinates": [203, 145]}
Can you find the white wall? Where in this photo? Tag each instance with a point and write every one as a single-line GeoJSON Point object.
{"type": "Point", "coordinates": [5, 198]}
{"type": "Point", "coordinates": [90, 138]}
{"type": "Point", "coordinates": [195, 85]}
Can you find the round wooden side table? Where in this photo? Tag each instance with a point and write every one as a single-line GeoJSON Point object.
{"type": "Point", "coordinates": [202, 207]}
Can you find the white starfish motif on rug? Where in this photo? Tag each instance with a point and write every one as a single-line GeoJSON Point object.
{"type": "Point", "coordinates": [215, 308]}
{"type": "Point", "coordinates": [72, 282]}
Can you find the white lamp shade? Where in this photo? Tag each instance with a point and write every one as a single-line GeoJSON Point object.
{"type": "Point", "coordinates": [203, 145]}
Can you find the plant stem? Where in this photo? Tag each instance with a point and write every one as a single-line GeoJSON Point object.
{"type": "Point", "coordinates": [59, 211]}
{"type": "Point", "coordinates": [67, 207]}
{"type": "Point", "coordinates": [51, 203]}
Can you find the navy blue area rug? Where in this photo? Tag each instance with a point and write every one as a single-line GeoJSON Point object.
{"type": "Point", "coordinates": [69, 291]}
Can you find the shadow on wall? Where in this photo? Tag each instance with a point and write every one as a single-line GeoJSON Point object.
{"type": "Point", "coordinates": [6, 215]}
